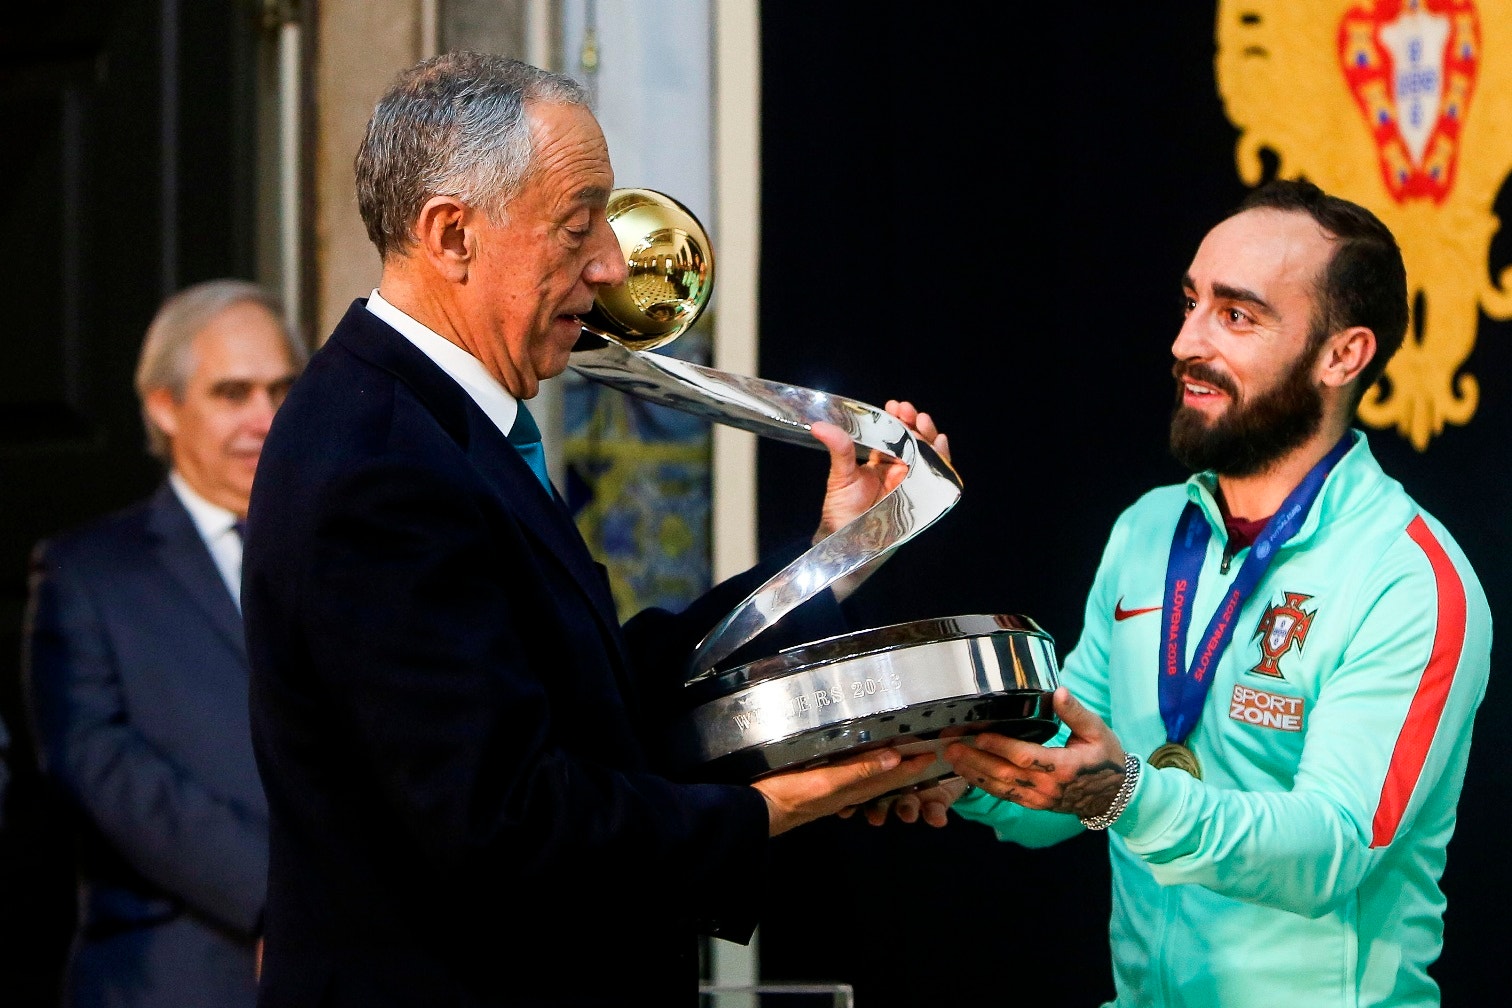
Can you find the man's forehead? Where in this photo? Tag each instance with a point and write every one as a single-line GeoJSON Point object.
{"type": "Point", "coordinates": [242, 341]}
{"type": "Point", "coordinates": [571, 156]}
{"type": "Point", "coordinates": [1261, 250]}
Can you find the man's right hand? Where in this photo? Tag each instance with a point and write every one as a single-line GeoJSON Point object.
{"type": "Point", "coordinates": [931, 804]}
{"type": "Point", "coordinates": [795, 797]}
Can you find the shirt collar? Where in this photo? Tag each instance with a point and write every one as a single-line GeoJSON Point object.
{"type": "Point", "coordinates": [1356, 468]}
{"type": "Point", "coordinates": [465, 369]}
{"type": "Point", "coordinates": [212, 520]}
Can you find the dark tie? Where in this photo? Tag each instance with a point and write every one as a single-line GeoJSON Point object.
{"type": "Point", "coordinates": [526, 437]}
{"type": "Point", "coordinates": [239, 526]}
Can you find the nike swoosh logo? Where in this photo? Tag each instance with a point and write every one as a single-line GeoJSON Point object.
{"type": "Point", "coordinates": [1120, 613]}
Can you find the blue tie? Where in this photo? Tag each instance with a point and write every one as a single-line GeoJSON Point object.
{"type": "Point", "coordinates": [526, 437]}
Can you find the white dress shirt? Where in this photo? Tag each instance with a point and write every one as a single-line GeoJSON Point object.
{"type": "Point", "coordinates": [492, 398]}
{"type": "Point", "coordinates": [215, 525]}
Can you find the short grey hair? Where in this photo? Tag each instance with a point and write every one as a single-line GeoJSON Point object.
{"type": "Point", "coordinates": [167, 357]}
{"type": "Point", "coordinates": [452, 125]}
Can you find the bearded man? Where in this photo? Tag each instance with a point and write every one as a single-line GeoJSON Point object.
{"type": "Point", "coordinates": [1270, 705]}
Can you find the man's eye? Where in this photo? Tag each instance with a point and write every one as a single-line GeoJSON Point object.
{"type": "Point", "coordinates": [1188, 305]}
{"type": "Point", "coordinates": [232, 392]}
{"type": "Point", "coordinates": [1237, 317]}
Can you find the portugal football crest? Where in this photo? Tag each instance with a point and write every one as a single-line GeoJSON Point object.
{"type": "Point", "coordinates": [1282, 627]}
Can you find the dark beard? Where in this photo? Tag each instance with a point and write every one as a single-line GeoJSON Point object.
{"type": "Point", "coordinates": [1251, 435]}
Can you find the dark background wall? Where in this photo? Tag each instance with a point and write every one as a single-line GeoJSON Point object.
{"type": "Point", "coordinates": [992, 221]}
{"type": "Point", "coordinates": [127, 175]}
{"type": "Point", "coordinates": [989, 220]}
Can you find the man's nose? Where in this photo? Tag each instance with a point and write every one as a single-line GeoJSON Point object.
{"type": "Point", "coordinates": [260, 410]}
{"type": "Point", "coordinates": [607, 267]}
{"type": "Point", "coordinates": [1191, 339]}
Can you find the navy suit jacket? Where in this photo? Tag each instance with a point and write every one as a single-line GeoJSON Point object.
{"type": "Point", "coordinates": [458, 740]}
{"type": "Point", "coordinates": [137, 675]}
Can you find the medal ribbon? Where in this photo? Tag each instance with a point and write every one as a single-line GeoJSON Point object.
{"type": "Point", "coordinates": [1184, 688]}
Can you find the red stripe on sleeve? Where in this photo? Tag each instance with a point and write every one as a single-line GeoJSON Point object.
{"type": "Point", "coordinates": [1411, 749]}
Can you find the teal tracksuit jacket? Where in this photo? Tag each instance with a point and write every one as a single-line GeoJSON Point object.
{"type": "Point", "coordinates": [1303, 868]}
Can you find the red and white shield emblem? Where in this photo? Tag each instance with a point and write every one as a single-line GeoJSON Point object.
{"type": "Point", "coordinates": [1282, 627]}
{"type": "Point", "coordinates": [1412, 67]}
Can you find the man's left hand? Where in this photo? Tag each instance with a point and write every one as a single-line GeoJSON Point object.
{"type": "Point", "coordinates": [1080, 778]}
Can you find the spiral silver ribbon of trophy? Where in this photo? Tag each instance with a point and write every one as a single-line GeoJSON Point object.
{"type": "Point", "coordinates": [912, 686]}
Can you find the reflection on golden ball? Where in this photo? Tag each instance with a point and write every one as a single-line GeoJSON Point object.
{"type": "Point", "coordinates": [671, 271]}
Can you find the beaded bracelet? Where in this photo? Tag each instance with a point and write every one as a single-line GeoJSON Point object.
{"type": "Point", "coordinates": [1125, 792]}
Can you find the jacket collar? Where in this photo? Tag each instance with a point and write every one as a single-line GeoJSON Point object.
{"type": "Point", "coordinates": [179, 548]}
{"type": "Point", "coordinates": [497, 461]}
{"type": "Point", "coordinates": [1356, 477]}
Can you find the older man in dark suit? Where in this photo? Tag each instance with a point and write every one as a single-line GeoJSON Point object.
{"type": "Point", "coordinates": [456, 735]}
{"type": "Point", "coordinates": [137, 671]}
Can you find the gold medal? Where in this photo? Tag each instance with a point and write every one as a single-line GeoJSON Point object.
{"type": "Point", "coordinates": [1174, 754]}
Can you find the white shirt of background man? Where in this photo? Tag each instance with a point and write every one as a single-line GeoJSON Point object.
{"type": "Point", "coordinates": [216, 527]}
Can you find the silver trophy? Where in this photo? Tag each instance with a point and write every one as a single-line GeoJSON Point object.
{"type": "Point", "coordinates": [913, 686]}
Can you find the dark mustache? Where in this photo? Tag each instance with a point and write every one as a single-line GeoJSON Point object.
{"type": "Point", "coordinates": [1198, 371]}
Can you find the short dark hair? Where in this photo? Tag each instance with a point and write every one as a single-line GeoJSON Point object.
{"type": "Point", "coordinates": [1364, 284]}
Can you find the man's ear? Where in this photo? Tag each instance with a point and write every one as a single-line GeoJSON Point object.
{"type": "Point", "coordinates": [443, 232]}
{"type": "Point", "coordinates": [163, 409]}
{"type": "Point", "coordinates": [1345, 355]}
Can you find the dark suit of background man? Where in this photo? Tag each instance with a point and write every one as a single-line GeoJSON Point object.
{"type": "Point", "coordinates": [457, 739]}
{"type": "Point", "coordinates": [137, 671]}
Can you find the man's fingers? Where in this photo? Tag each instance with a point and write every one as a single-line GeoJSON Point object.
{"type": "Point", "coordinates": [929, 803]}
{"type": "Point", "coordinates": [936, 813]}
{"type": "Point", "coordinates": [1001, 747]}
{"type": "Point", "coordinates": [922, 423]}
{"type": "Point", "coordinates": [941, 445]}
{"type": "Point", "coordinates": [866, 765]}
{"type": "Point", "coordinates": [903, 410]}
{"type": "Point", "coordinates": [1078, 718]}
{"type": "Point", "coordinates": [875, 773]}
{"type": "Point", "coordinates": [996, 763]}
{"type": "Point", "coordinates": [839, 444]}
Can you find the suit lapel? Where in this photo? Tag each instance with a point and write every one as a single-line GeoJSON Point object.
{"type": "Point", "coordinates": [546, 517]}
{"type": "Point", "coordinates": [372, 339]}
{"type": "Point", "coordinates": [183, 554]}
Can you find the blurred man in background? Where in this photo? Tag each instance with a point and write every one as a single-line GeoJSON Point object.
{"type": "Point", "coordinates": [137, 674]}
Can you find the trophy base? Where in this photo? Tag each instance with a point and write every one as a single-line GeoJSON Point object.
{"type": "Point", "coordinates": [912, 686]}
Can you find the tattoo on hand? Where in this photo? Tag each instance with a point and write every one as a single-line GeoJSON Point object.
{"type": "Point", "coordinates": [1093, 790]}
